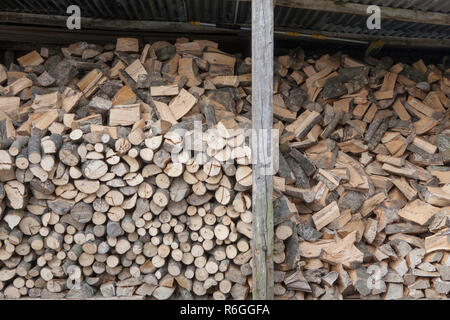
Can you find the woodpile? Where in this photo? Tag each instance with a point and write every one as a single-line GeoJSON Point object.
{"type": "Point", "coordinates": [127, 172]}
{"type": "Point", "coordinates": [363, 187]}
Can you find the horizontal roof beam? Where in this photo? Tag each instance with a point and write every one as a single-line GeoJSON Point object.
{"type": "Point", "coordinates": [364, 39]}
{"type": "Point", "coordinates": [408, 15]}
{"type": "Point", "coordinates": [9, 32]}
{"type": "Point", "coordinates": [109, 24]}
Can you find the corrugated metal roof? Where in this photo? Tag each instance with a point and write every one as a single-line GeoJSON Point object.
{"type": "Point", "coordinates": [239, 13]}
{"type": "Point", "coordinates": [159, 10]}
{"type": "Point", "coordinates": [221, 11]}
{"type": "Point", "coordinates": [442, 6]}
{"type": "Point", "coordinates": [354, 24]}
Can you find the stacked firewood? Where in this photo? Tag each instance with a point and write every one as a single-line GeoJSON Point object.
{"type": "Point", "coordinates": [126, 172]}
{"type": "Point", "coordinates": [363, 190]}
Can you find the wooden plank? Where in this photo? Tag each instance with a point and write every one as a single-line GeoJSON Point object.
{"type": "Point", "coordinates": [100, 28]}
{"type": "Point", "coordinates": [361, 9]}
{"type": "Point", "coordinates": [262, 119]}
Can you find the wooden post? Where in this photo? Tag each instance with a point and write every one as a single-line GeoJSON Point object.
{"type": "Point", "coordinates": [262, 118]}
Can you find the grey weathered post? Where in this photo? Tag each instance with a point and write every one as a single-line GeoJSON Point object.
{"type": "Point", "coordinates": [262, 119]}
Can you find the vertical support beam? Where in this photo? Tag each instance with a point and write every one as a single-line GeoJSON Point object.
{"type": "Point", "coordinates": [262, 119]}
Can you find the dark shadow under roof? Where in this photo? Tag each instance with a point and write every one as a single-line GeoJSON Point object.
{"type": "Point", "coordinates": [234, 14]}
